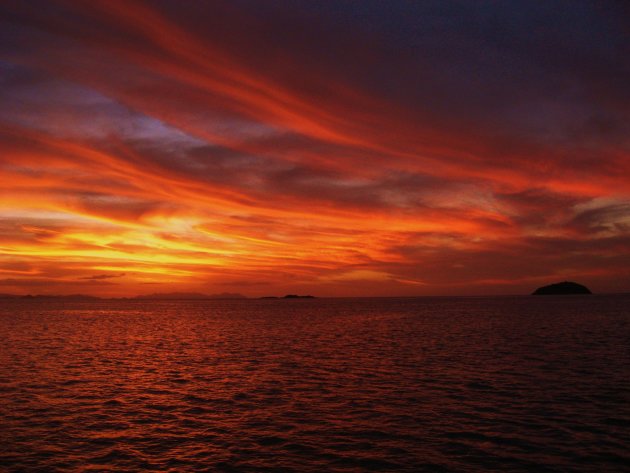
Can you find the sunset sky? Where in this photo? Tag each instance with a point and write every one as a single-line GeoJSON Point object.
{"type": "Point", "coordinates": [335, 148]}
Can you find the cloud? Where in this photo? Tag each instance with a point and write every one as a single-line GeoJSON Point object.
{"type": "Point", "coordinates": [43, 283]}
{"type": "Point", "coordinates": [609, 217]}
{"type": "Point", "coordinates": [435, 144]}
{"type": "Point", "coordinates": [99, 277]}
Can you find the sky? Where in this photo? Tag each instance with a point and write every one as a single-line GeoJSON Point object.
{"type": "Point", "coordinates": [334, 148]}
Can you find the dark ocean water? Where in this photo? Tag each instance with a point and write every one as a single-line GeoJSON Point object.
{"type": "Point", "coordinates": [428, 384]}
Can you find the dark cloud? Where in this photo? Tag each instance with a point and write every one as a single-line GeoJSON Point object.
{"type": "Point", "coordinates": [612, 218]}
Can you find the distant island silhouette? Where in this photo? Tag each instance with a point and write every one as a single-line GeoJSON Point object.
{"type": "Point", "coordinates": [560, 288]}
{"type": "Point", "coordinates": [289, 296]}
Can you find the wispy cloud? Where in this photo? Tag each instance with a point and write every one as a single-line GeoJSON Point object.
{"type": "Point", "coordinates": [99, 277]}
{"type": "Point", "coordinates": [414, 149]}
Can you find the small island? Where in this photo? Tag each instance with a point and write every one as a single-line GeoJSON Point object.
{"type": "Point", "coordinates": [562, 288]}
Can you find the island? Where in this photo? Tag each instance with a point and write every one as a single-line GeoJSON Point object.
{"type": "Point", "coordinates": [289, 296]}
{"type": "Point", "coordinates": [562, 288]}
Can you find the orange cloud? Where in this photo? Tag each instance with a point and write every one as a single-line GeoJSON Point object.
{"type": "Point", "coordinates": [138, 147]}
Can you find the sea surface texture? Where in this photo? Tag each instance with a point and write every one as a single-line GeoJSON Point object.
{"type": "Point", "coordinates": [426, 384]}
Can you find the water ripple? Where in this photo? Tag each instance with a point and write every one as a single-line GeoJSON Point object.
{"type": "Point", "coordinates": [462, 384]}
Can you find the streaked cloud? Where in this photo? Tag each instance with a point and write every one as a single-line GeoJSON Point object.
{"type": "Point", "coordinates": [430, 148]}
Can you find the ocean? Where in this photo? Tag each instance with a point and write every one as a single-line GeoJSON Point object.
{"type": "Point", "coordinates": [471, 384]}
